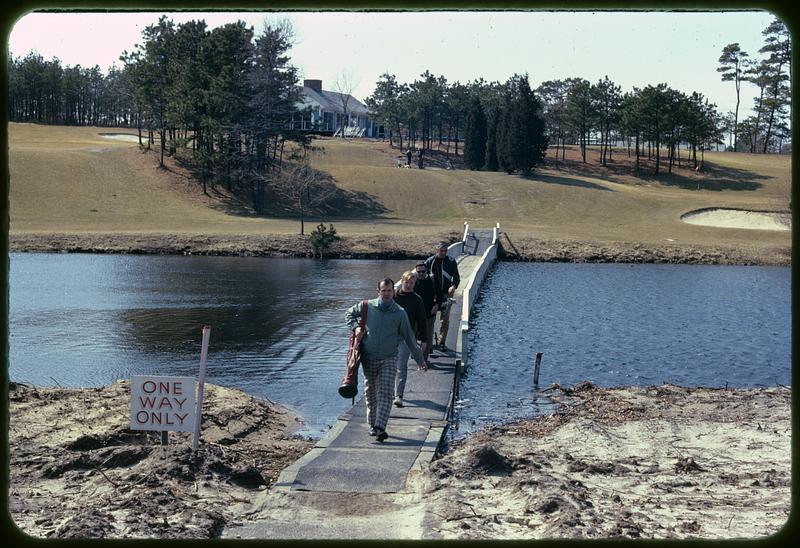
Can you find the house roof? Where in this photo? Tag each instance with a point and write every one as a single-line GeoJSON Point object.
{"type": "Point", "coordinates": [332, 101]}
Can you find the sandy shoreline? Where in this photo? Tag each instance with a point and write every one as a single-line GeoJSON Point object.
{"type": "Point", "coordinates": [394, 247]}
{"type": "Point", "coordinates": [655, 462]}
{"type": "Point", "coordinates": [652, 462]}
{"type": "Point", "coordinates": [78, 471]}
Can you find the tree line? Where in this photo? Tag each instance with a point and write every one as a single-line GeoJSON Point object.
{"type": "Point", "coordinates": [229, 97]}
{"type": "Point", "coordinates": [510, 127]}
{"type": "Point", "coordinates": [224, 98]}
{"type": "Point", "coordinates": [768, 127]}
{"type": "Point", "coordinates": [579, 112]}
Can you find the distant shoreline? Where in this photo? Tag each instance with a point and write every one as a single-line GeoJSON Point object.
{"type": "Point", "coordinates": [391, 247]}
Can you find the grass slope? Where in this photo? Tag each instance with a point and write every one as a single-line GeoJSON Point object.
{"type": "Point", "coordinates": [75, 180]}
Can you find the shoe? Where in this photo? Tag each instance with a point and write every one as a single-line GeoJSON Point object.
{"type": "Point", "coordinates": [398, 402]}
{"type": "Point", "coordinates": [381, 437]}
{"type": "Point", "coordinates": [373, 431]}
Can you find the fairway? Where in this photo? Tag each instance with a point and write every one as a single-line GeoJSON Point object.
{"type": "Point", "coordinates": [75, 180]}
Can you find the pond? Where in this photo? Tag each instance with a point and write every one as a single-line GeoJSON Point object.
{"type": "Point", "coordinates": [622, 324]}
{"type": "Point", "coordinates": [277, 326]}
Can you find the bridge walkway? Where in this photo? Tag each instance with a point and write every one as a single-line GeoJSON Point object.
{"type": "Point", "coordinates": [348, 460]}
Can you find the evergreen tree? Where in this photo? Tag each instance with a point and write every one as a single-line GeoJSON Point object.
{"type": "Point", "coordinates": [475, 145]}
{"type": "Point", "coordinates": [553, 94]}
{"type": "Point", "coordinates": [521, 137]}
{"type": "Point", "coordinates": [384, 106]}
{"type": "Point", "coordinates": [457, 100]}
{"type": "Point", "coordinates": [527, 140]}
{"type": "Point", "coordinates": [655, 106]}
{"type": "Point", "coordinates": [503, 141]}
{"type": "Point", "coordinates": [274, 96]}
{"type": "Point", "coordinates": [607, 97]}
{"type": "Point", "coordinates": [581, 111]}
{"type": "Point", "coordinates": [492, 164]}
{"type": "Point", "coordinates": [734, 64]}
{"type": "Point", "coordinates": [779, 49]}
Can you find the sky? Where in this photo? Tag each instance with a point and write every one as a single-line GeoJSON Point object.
{"type": "Point", "coordinates": [633, 49]}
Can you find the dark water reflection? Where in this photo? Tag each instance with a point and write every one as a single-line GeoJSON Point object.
{"type": "Point", "coordinates": [622, 325]}
{"type": "Point", "coordinates": [277, 324]}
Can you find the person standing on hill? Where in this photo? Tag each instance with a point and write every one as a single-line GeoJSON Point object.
{"type": "Point", "coordinates": [419, 158]}
{"type": "Point", "coordinates": [415, 310]}
{"type": "Point", "coordinates": [408, 157]}
{"type": "Point", "coordinates": [424, 288]}
{"type": "Point", "coordinates": [387, 324]}
{"type": "Point", "coordinates": [444, 271]}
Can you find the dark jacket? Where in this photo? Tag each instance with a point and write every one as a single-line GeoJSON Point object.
{"type": "Point", "coordinates": [415, 310]}
{"type": "Point", "coordinates": [424, 288]}
{"type": "Point", "coordinates": [447, 275]}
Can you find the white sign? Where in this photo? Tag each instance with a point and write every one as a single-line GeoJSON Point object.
{"type": "Point", "coordinates": [163, 403]}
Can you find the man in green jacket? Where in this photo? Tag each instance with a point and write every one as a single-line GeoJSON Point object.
{"type": "Point", "coordinates": [387, 324]}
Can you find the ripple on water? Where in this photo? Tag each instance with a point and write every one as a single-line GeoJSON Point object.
{"type": "Point", "coordinates": [624, 324]}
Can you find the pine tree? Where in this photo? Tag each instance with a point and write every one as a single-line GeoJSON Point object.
{"type": "Point", "coordinates": [504, 135]}
{"type": "Point", "coordinates": [734, 65]}
{"type": "Point", "coordinates": [521, 137]}
{"type": "Point", "coordinates": [527, 139]}
{"type": "Point", "coordinates": [492, 163]}
{"type": "Point", "coordinates": [475, 145]}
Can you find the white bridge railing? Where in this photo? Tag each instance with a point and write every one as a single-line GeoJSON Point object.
{"type": "Point", "coordinates": [472, 288]}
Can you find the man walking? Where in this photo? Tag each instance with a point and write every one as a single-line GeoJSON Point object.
{"type": "Point", "coordinates": [387, 324]}
{"type": "Point", "coordinates": [415, 310]}
{"type": "Point", "coordinates": [424, 288]}
{"type": "Point", "coordinates": [444, 271]}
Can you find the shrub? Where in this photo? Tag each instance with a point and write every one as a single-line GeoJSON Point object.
{"type": "Point", "coordinates": [322, 238]}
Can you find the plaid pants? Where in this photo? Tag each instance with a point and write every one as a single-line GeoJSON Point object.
{"type": "Point", "coordinates": [379, 389]}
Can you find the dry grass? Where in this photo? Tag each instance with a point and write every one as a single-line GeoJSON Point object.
{"type": "Point", "coordinates": [573, 201]}
{"type": "Point", "coordinates": [72, 180]}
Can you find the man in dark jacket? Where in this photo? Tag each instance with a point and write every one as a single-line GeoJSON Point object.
{"type": "Point", "coordinates": [424, 288]}
{"type": "Point", "coordinates": [415, 310]}
{"type": "Point", "coordinates": [444, 271]}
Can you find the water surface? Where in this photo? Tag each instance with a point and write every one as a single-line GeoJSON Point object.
{"type": "Point", "coordinates": [277, 326]}
{"type": "Point", "coordinates": [623, 324]}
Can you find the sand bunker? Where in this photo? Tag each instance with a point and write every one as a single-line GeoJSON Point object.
{"type": "Point", "coordinates": [739, 218]}
{"type": "Point", "coordinates": [127, 137]}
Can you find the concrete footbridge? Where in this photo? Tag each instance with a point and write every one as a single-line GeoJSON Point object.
{"type": "Point", "coordinates": [348, 460]}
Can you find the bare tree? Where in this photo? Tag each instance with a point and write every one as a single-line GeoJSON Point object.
{"type": "Point", "coordinates": [343, 85]}
{"type": "Point", "coordinates": [304, 189]}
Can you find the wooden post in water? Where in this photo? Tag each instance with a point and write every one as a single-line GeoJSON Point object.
{"type": "Point", "coordinates": [536, 369]}
{"type": "Point", "coordinates": [201, 385]}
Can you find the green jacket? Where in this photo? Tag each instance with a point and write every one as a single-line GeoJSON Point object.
{"type": "Point", "coordinates": [384, 330]}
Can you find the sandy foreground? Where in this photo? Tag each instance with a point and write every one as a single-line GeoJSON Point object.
{"type": "Point", "coordinates": [656, 462]}
{"type": "Point", "coordinates": [77, 470]}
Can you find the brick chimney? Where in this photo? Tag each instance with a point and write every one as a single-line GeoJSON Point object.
{"type": "Point", "coordinates": [316, 85]}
